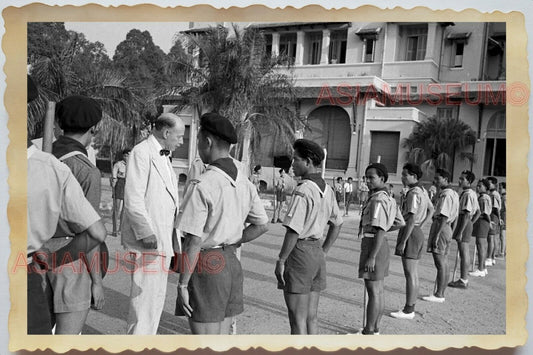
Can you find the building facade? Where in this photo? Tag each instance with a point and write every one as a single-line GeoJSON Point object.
{"type": "Point", "coordinates": [362, 87]}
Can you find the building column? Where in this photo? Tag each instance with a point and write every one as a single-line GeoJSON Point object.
{"type": "Point", "coordinates": [275, 44]}
{"type": "Point", "coordinates": [326, 40]}
{"type": "Point", "coordinates": [431, 42]}
{"type": "Point", "coordinates": [300, 41]}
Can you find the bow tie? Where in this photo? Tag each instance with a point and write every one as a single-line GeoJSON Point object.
{"type": "Point", "coordinates": [164, 152]}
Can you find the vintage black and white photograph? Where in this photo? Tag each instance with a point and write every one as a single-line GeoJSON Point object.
{"type": "Point", "coordinates": [266, 178]}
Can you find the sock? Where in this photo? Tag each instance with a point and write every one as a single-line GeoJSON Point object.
{"type": "Point", "coordinates": [408, 308]}
{"type": "Point", "coordinates": [464, 281]}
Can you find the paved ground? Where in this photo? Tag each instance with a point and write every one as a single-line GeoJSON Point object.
{"type": "Point", "coordinates": [478, 310]}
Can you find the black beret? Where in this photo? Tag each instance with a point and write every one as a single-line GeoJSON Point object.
{"type": "Point", "coordinates": [78, 113]}
{"type": "Point", "coordinates": [33, 92]}
{"type": "Point", "coordinates": [218, 125]}
{"type": "Point", "coordinates": [310, 150]}
{"type": "Point", "coordinates": [380, 167]}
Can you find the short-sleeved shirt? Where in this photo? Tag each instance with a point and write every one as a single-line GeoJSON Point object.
{"type": "Point", "coordinates": [311, 209]}
{"type": "Point", "coordinates": [485, 204]}
{"type": "Point", "coordinates": [119, 169]}
{"type": "Point", "coordinates": [216, 206]}
{"type": "Point", "coordinates": [379, 211]}
{"type": "Point", "coordinates": [447, 204]}
{"type": "Point", "coordinates": [415, 202]}
{"type": "Point", "coordinates": [496, 199]}
{"type": "Point", "coordinates": [348, 187]}
{"type": "Point", "coordinates": [363, 187]}
{"type": "Point", "coordinates": [468, 202]}
{"type": "Point", "coordinates": [53, 193]}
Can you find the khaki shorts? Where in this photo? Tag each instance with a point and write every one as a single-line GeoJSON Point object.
{"type": "Point", "coordinates": [440, 244]}
{"type": "Point", "coordinates": [71, 287]}
{"type": "Point", "coordinates": [381, 268]}
{"type": "Point", "coordinates": [414, 245]}
{"type": "Point", "coordinates": [305, 268]}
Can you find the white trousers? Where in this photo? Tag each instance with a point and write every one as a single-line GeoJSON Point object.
{"type": "Point", "coordinates": [149, 275]}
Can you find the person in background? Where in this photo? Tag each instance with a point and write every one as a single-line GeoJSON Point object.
{"type": "Point", "coordinates": [117, 183]}
{"type": "Point", "coordinates": [348, 195]}
{"type": "Point", "coordinates": [378, 217]}
{"type": "Point", "coordinates": [149, 233]}
{"type": "Point", "coordinates": [338, 189]}
{"type": "Point", "coordinates": [468, 215]}
{"type": "Point", "coordinates": [301, 267]}
{"type": "Point", "coordinates": [494, 231]}
{"type": "Point", "coordinates": [363, 192]}
{"type": "Point", "coordinates": [503, 219]}
{"type": "Point", "coordinates": [281, 195]}
{"type": "Point", "coordinates": [432, 193]}
{"type": "Point", "coordinates": [440, 234]}
{"type": "Point", "coordinates": [482, 226]}
{"type": "Point", "coordinates": [255, 178]}
{"type": "Point", "coordinates": [416, 210]}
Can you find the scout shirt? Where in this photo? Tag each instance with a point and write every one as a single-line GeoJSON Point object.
{"type": "Point", "coordinates": [468, 202]}
{"type": "Point", "coordinates": [447, 205]}
{"type": "Point", "coordinates": [485, 204]}
{"type": "Point", "coordinates": [379, 211]}
{"type": "Point", "coordinates": [218, 203]}
{"type": "Point", "coordinates": [119, 170]}
{"type": "Point", "coordinates": [313, 205]}
{"type": "Point", "coordinates": [416, 201]}
{"type": "Point", "coordinates": [53, 193]}
{"type": "Point", "coordinates": [496, 199]}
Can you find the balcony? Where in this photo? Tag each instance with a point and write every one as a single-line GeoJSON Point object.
{"type": "Point", "coordinates": [332, 74]}
{"type": "Point", "coordinates": [420, 70]}
{"type": "Point", "coordinates": [395, 114]}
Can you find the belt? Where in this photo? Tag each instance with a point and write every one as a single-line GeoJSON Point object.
{"type": "Point", "coordinates": [221, 246]}
{"type": "Point", "coordinates": [369, 235]}
{"type": "Point", "coordinates": [62, 236]}
{"type": "Point", "coordinates": [308, 239]}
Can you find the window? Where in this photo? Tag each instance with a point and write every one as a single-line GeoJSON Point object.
{"type": "Point", "coordinates": [458, 50]}
{"type": "Point", "coordinates": [495, 149]}
{"type": "Point", "coordinates": [416, 42]}
{"type": "Point", "coordinates": [446, 112]}
{"type": "Point", "coordinates": [385, 145]}
{"type": "Point", "coordinates": [182, 152]}
{"type": "Point", "coordinates": [337, 47]}
{"type": "Point", "coordinates": [370, 45]}
{"type": "Point", "coordinates": [314, 47]}
{"type": "Point", "coordinates": [268, 45]}
{"type": "Point", "coordinates": [287, 46]}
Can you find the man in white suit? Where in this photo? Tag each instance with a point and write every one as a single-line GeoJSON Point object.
{"type": "Point", "coordinates": [148, 230]}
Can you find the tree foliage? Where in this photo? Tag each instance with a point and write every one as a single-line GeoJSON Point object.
{"type": "Point", "coordinates": [435, 142]}
{"type": "Point", "coordinates": [230, 72]}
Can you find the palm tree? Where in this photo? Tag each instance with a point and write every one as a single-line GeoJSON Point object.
{"type": "Point", "coordinates": [233, 75]}
{"type": "Point", "coordinates": [434, 142]}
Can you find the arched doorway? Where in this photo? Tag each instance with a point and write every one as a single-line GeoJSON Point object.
{"type": "Point", "coordinates": [495, 148]}
{"type": "Point", "coordinates": [329, 126]}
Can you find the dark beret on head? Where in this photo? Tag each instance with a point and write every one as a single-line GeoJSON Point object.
{"type": "Point", "coordinates": [381, 169]}
{"type": "Point", "coordinates": [309, 149]}
{"type": "Point", "coordinates": [219, 126]}
{"type": "Point", "coordinates": [78, 113]}
{"type": "Point", "coordinates": [33, 92]}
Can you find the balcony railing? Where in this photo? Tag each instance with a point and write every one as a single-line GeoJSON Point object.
{"type": "Point", "coordinates": [417, 70]}
{"type": "Point", "coordinates": [395, 113]}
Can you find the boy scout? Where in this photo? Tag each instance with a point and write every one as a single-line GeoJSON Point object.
{"type": "Point", "coordinates": [440, 234]}
{"type": "Point", "coordinates": [416, 210]}
{"type": "Point", "coordinates": [495, 218]}
{"type": "Point", "coordinates": [378, 217]}
{"type": "Point", "coordinates": [75, 285]}
{"type": "Point", "coordinates": [53, 193]}
{"type": "Point", "coordinates": [214, 210]}
{"type": "Point", "coordinates": [468, 214]}
{"type": "Point", "coordinates": [301, 267]}
{"type": "Point", "coordinates": [482, 226]}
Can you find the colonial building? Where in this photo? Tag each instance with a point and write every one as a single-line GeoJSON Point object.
{"type": "Point", "coordinates": [362, 87]}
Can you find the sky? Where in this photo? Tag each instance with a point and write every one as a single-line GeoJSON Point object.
{"type": "Point", "coordinates": [112, 33]}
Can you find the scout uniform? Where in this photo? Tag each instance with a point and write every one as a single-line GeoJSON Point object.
{"type": "Point", "coordinates": [496, 207]}
{"type": "Point", "coordinates": [53, 193]}
{"type": "Point", "coordinates": [415, 202]}
{"type": "Point", "coordinates": [448, 206]}
{"type": "Point", "coordinates": [312, 206]}
{"type": "Point", "coordinates": [72, 283]}
{"type": "Point", "coordinates": [468, 203]}
{"type": "Point", "coordinates": [482, 225]}
{"type": "Point", "coordinates": [379, 211]}
{"type": "Point", "coordinates": [119, 177]}
{"type": "Point", "coordinates": [215, 208]}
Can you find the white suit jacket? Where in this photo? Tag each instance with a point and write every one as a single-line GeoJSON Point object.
{"type": "Point", "coordinates": [150, 200]}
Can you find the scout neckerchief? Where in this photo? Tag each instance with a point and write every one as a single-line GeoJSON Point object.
{"type": "Point", "coordinates": [227, 166]}
{"type": "Point", "coordinates": [317, 179]}
{"type": "Point", "coordinates": [65, 145]}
